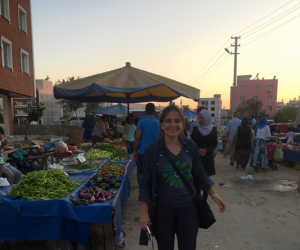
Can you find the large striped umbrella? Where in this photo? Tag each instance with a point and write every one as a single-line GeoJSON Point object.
{"type": "Point", "coordinates": [124, 85]}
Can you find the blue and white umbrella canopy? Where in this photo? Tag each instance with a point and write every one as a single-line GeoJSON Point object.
{"type": "Point", "coordinates": [124, 85]}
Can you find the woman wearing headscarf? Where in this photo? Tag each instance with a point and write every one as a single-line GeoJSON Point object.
{"type": "Point", "coordinates": [206, 138]}
{"type": "Point", "coordinates": [242, 140]}
{"type": "Point", "coordinates": [259, 154]}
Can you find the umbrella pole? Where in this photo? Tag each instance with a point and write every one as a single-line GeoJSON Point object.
{"type": "Point", "coordinates": [128, 96]}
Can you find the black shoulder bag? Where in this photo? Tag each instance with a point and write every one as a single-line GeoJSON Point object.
{"type": "Point", "coordinates": [205, 215]}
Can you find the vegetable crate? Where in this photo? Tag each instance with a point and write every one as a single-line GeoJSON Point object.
{"type": "Point", "coordinates": [101, 237]}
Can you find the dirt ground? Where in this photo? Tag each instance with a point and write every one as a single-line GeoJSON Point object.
{"type": "Point", "coordinates": [263, 213]}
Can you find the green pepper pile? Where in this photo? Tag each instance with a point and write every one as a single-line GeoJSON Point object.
{"type": "Point", "coordinates": [44, 185]}
{"type": "Point", "coordinates": [117, 154]}
{"type": "Point", "coordinates": [96, 153]}
{"type": "Point", "coordinates": [85, 165]}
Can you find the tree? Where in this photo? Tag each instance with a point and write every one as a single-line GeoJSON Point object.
{"type": "Point", "coordinates": [74, 106]}
{"type": "Point", "coordinates": [251, 107]}
{"type": "Point", "coordinates": [185, 108]}
{"type": "Point", "coordinates": [286, 113]}
{"type": "Point", "coordinates": [35, 114]}
{"type": "Point", "coordinates": [91, 106]}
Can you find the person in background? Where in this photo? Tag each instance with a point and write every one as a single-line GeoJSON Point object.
{"type": "Point", "coordinates": [99, 132]}
{"type": "Point", "coordinates": [146, 133]}
{"type": "Point", "coordinates": [297, 129]}
{"type": "Point", "coordinates": [108, 119]}
{"type": "Point", "coordinates": [259, 154]}
{"type": "Point", "coordinates": [206, 138]}
{"type": "Point", "coordinates": [231, 128]}
{"type": "Point", "coordinates": [12, 174]}
{"type": "Point", "coordinates": [290, 135]}
{"type": "Point", "coordinates": [253, 120]}
{"type": "Point", "coordinates": [167, 205]}
{"type": "Point", "coordinates": [130, 131]}
{"type": "Point", "coordinates": [187, 128]}
{"type": "Point", "coordinates": [242, 141]}
{"type": "Point", "coordinates": [298, 188]}
{"type": "Point", "coordinates": [195, 123]}
{"type": "Point", "coordinates": [250, 125]}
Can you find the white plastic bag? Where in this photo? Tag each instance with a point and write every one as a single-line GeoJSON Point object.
{"type": "Point", "coordinates": [3, 182]}
{"type": "Point", "coordinates": [247, 177]}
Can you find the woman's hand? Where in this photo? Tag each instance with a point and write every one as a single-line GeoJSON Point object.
{"type": "Point", "coordinates": [203, 151]}
{"type": "Point", "coordinates": [220, 203]}
{"type": "Point", "coordinates": [144, 221]}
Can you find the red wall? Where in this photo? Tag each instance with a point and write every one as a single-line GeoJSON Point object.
{"type": "Point", "coordinates": [16, 81]}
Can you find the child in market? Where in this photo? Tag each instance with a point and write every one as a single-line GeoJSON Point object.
{"type": "Point", "coordinates": [13, 175]}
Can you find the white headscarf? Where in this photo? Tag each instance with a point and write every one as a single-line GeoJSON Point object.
{"type": "Point", "coordinates": [206, 128]}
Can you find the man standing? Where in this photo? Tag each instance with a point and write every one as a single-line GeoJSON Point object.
{"type": "Point", "coordinates": [231, 128]}
{"type": "Point", "coordinates": [146, 133]}
{"type": "Point", "coordinates": [99, 132]}
{"type": "Point", "coordinates": [253, 121]}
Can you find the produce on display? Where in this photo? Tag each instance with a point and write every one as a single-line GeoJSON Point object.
{"type": "Point", "coordinates": [96, 153]}
{"type": "Point", "coordinates": [44, 185]}
{"type": "Point", "coordinates": [85, 165]}
{"type": "Point", "coordinates": [112, 169]}
{"type": "Point", "coordinates": [117, 154]}
{"type": "Point", "coordinates": [79, 202]}
{"type": "Point", "coordinates": [105, 182]}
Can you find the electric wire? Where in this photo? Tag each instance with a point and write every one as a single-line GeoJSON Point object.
{"type": "Point", "coordinates": [209, 61]}
{"type": "Point", "coordinates": [271, 30]}
{"type": "Point", "coordinates": [263, 18]}
{"type": "Point", "coordinates": [268, 22]}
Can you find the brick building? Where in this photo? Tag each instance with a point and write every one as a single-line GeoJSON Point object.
{"type": "Point", "coordinates": [264, 90]}
{"type": "Point", "coordinates": [16, 56]}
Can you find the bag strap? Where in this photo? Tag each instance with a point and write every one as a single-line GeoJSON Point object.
{"type": "Point", "coordinates": [185, 182]}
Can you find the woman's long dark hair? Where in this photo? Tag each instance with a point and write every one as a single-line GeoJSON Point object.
{"type": "Point", "coordinates": [164, 114]}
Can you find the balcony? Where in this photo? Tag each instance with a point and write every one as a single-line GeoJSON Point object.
{"type": "Point", "coordinates": [21, 114]}
{"type": "Point", "coordinates": [20, 106]}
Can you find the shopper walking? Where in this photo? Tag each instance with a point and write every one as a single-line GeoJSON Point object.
{"type": "Point", "coordinates": [231, 128]}
{"type": "Point", "coordinates": [206, 138]}
{"type": "Point", "coordinates": [242, 142]}
{"type": "Point", "coordinates": [253, 120]}
{"type": "Point", "coordinates": [259, 154]}
{"type": "Point", "coordinates": [195, 123]}
{"type": "Point", "coordinates": [146, 133]}
{"type": "Point", "coordinates": [167, 205]}
{"type": "Point", "coordinates": [130, 131]}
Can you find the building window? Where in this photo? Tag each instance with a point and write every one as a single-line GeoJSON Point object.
{"type": "Point", "coordinates": [242, 88]}
{"type": "Point", "coordinates": [6, 53]}
{"type": "Point", "coordinates": [242, 98]}
{"type": "Point", "coordinates": [212, 109]}
{"type": "Point", "coordinates": [255, 88]}
{"type": "Point", "coordinates": [24, 61]}
{"type": "Point", "coordinates": [255, 97]}
{"type": "Point", "coordinates": [270, 87]}
{"type": "Point", "coordinates": [212, 115]}
{"type": "Point", "coordinates": [22, 18]}
{"type": "Point", "coordinates": [270, 97]}
{"type": "Point", "coordinates": [4, 9]}
{"type": "Point", "coordinates": [213, 102]}
{"type": "Point", "coordinates": [269, 108]}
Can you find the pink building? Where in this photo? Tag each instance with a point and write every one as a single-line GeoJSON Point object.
{"type": "Point", "coordinates": [264, 90]}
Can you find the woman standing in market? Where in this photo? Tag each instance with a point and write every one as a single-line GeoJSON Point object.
{"type": "Point", "coordinates": [259, 154]}
{"type": "Point", "coordinates": [242, 141]}
{"type": "Point", "coordinates": [164, 196]}
{"type": "Point", "coordinates": [206, 138]}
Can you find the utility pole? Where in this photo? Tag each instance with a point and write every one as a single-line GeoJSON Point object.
{"type": "Point", "coordinates": [235, 45]}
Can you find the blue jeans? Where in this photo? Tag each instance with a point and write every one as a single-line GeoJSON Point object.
{"type": "Point", "coordinates": [139, 165]}
{"type": "Point", "coordinates": [129, 145]}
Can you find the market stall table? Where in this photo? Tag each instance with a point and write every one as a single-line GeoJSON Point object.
{"type": "Point", "coordinates": [59, 219]}
{"type": "Point", "coordinates": [291, 154]}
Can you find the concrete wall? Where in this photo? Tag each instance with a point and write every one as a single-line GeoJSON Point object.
{"type": "Point", "coordinates": [19, 129]}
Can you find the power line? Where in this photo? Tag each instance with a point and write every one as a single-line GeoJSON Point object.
{"type": "Point", "coordinates": [209, 62]}
{"type": "Point", "coordinates": [271, 22]}
{"type": "Point", "coordinates": [207, 70]}
{"type": "Point", "coordinates": [263, 18]}
{"type": "Point", "coordinates": [250, 41]}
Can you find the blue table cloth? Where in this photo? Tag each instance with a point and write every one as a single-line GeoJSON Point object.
{"type": "Point", "coordinates": [295, 140]}
{"type": "Point", "coordinates": [291, 154]}
{"type": "Point", "coordinates": [59, 219]}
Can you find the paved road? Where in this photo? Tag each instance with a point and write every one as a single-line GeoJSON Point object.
{"type": "Point", "coordinates": [263, 213]}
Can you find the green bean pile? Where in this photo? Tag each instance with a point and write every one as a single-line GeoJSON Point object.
{"type": "Point", "coordinates": [44, 185]}
{"type": "Point", "coordinates": [85, 165]}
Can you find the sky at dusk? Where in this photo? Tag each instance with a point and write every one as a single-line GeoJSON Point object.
{"type": "Point", "coordinates": [176, 39]}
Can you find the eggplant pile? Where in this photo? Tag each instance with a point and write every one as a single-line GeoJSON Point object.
{"type": "Point", "coordinates": [95, 194]}
{"type": "Point", "coordinates": [105, 182]}
{"type": "Point", "coordinates": [79, 202]}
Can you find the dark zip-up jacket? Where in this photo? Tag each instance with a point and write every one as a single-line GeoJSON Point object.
{"type": "Point", "coordinates": [148, 190]}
